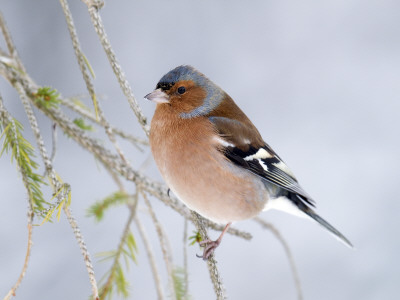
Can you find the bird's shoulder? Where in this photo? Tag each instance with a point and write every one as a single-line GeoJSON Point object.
{"type": "Point", "coordinates": [232, 124]}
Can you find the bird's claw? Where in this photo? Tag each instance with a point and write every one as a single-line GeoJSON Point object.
{"type": "Point", "coordinates": [209, 248]}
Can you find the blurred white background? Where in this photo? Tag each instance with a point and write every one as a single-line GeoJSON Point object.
{"type": "Point", "coordinates": [321, 81]}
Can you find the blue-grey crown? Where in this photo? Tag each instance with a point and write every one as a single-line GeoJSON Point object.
{"type": "Point", "coordinates": [214, 96]}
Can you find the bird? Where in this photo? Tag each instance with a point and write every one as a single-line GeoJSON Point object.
{"type": "Point", "coordinates": [214, 159]}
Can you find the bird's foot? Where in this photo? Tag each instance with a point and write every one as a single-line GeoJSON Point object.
{"type": "Point", "coordinates": [209, 248]}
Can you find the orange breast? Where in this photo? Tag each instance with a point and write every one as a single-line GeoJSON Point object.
{"type": "Point", "coordinates": [188, 158]}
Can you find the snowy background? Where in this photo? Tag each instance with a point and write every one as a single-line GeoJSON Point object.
{"type": "Point", "coordinates": [321, 81]}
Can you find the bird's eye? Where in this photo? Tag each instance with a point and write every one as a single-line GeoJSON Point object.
{"type": "Point", "coordinates": [181, 90]}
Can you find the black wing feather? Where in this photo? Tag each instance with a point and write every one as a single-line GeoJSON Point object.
{"type": "Point", "coordinates": [267, 168]}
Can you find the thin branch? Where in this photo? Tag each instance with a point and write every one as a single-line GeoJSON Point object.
{"type": "Point", "coordinates": [84, 251]}
{"type": "Point", "coordinates": [11, 293]}
{"type": "Point", "coordinates": [7, 36]}
{"type": "Point", "coordinates": [78, 52]}
{"type": "Point", "coordinates": [10, 44]}
{"type": "Point", "coordinates": [150, 255]}
{"type": "Point", "coordinates": [164, 246]}
{"type": "Point", "coordinates": [54, 142]}
{"type": "Point", "coordinates": [185, 259]}
{"type": "Point", "coordinates": [289, 254]}
{"type": "Point", "coordinates": [53, 145]}
{"type": "Point", "coordinates": [211, 262]}
{"type": "Point", "coordinates": [93, 7]}
{"type": "Point", "coordinates": [89, 85]}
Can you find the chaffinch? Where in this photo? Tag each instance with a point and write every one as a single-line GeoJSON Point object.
{"type": "Point", "coordinates": [214, 159]}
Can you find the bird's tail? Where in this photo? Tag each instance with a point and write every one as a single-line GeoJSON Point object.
{"type": "Point", "coordinates": [301, 204]}
{"type": "Point", "coordinates": [309, 212]}
{"type": "Point", "coordinates": [297, 205]}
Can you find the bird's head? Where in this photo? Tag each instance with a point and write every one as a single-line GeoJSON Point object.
{"type": "Point", "coordinates": [188, 92]}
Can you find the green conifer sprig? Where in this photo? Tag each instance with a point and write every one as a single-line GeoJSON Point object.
{"type": "Point", "coordinates": [195, 238]}
{"type": "Point", "coordinates": [82, 125]}
{"type": "Point", "coordinates": [23, 153]}
{"type": "Point", "coordinates": [63, 196]}
{"type": "Point", "coordinates": [97, 209]}
{"type": "Point", "coordinates": [47, 97]}
{"type": "Point", "coordinates": [115, 279]}
{"type": "Point", "coordinates": [178, 277]}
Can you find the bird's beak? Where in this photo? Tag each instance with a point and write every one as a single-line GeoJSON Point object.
{"type": "Point", "coordinates": [158, 96]}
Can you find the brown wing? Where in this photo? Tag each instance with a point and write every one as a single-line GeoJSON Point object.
{"type": "Point", "coordinates": [244, 146]}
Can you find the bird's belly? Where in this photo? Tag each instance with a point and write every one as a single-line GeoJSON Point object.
{"type": "Point", "coordinates": [212, 186]}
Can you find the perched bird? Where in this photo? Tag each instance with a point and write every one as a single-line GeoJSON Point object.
{"type": "Point", "coordinates": [214, 159]}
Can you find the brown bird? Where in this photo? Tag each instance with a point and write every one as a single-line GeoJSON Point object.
{"type": "Point", "coordinates": [214, 159]}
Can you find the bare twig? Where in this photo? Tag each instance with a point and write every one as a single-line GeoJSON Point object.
{"type": "Point", "coordinates": [84, 251]}
{"type": "Point", "coordinates": [185, 259]}
{"type": "Point", "coordinates": [7, 36]}
{"type": "Point", "coordinates": [10, 44]}
{"type": "Point", "coordinates": [211, 262]}
{"type": "Point", "coordinates": [11, 293]}
{"type": "Point", "coordinates": [93, 7]}
{"type": "Point", "coordinates": [289, 254]}
{"type": "Point", "coordinates": [53, 145]}
{"type": "Point", "coordinates": [164, 245]}
{"type": "Point", "coordinates": [89, 85]}
{"type": "Point", "coordinates": [78, 52]}
{"type": "Point", "coordinates": [150, 255]}
{"type": "Point", "coordinates": [54, 142]}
